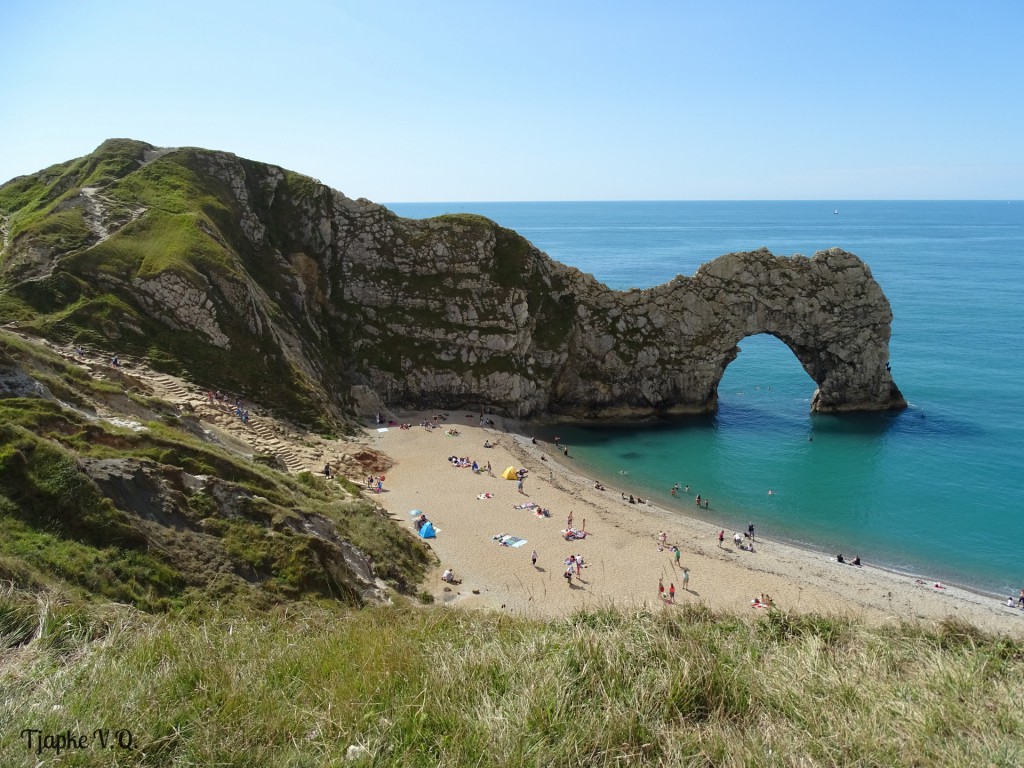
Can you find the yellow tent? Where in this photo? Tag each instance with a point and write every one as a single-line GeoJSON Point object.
{"type": "Point", "coordinates": [509, 473]}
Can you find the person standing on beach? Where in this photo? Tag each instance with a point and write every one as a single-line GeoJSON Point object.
{"type": "Point", "coordinates": [721, 537]}
{"type": "Point", "coordinates": [519, 485]}
{"type": "Point", "coordinates": [671, 593]}
{"type": "Point", "coordinates": [750, 531]}
{"type": "Point", "coordinates": [661, 589]}
{"type": "Point", "coordinates": [568, 520]}
{"type": "Point", "coordinates": [678, 554]}
{"type": "Point", "coordinates": [533, 558]}
{"type": "Point", "coordinates": [686, 579]}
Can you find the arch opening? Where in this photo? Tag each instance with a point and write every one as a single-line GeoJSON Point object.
{"type": "Point", "coordinates": [765, 369]}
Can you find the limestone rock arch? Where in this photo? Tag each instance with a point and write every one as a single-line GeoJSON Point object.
{"type": "Point", "coordinates": [827, 309]}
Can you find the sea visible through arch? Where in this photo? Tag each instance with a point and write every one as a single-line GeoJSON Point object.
{"type": "Point", "coordinates": [935, 490]}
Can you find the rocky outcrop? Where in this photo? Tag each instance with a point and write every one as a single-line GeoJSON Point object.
{"type": "Point", "coordinates": [346, 303]}
{"type": "Point", "coordinates": [155, 497]}
{"type": "Point", "coordinates": [180, 305]}
{"type": "Point", "coordinates": [481, 318]}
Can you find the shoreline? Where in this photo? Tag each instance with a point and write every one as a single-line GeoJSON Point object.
{"type": "Point", "coordinates": [684, 510]}
{"type": "Point", "coordinates": [807, 547]}
{"type": "Point", "coordinates": [623, 562]}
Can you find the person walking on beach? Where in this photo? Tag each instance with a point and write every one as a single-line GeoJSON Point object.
{"type": "Point", "coordinates": [519, 485]}
{"type": "Point", "coordinates": [533, 558]}
{"type": "Point", "coordinates": [671, 593]}
{"type": "Point", "coordinates": [721, 537]}
{"type": "Point", "coordinates": [686, 579]}
{"type": "Point", "coordinates": [678, 554]}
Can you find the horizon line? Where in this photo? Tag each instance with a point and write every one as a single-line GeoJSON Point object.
{"type": "Point", "coordinates": [830, 201]}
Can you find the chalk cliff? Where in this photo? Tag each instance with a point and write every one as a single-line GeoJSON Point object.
{"type": "Point", "coordinates": [259, 279]}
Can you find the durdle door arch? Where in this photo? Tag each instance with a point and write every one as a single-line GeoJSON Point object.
{"type": "Point", "coordinates": [828, 310]}
{"type": "Point", "coordinates": [665, 349]}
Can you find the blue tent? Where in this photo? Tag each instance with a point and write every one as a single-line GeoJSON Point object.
{"type": "Point", "coordinates": [427, 531]}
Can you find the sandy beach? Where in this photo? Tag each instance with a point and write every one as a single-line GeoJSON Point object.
{"type": "Point", "coordinates": [623, 563]}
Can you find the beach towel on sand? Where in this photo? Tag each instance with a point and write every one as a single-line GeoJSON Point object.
{"type": "Point", "coordinates": [485, 495]}
{"type": "Point", "coordinates": [507, 540]}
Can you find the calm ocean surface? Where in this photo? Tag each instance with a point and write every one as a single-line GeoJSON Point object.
{"type": "Point", "coordinates": [935, 490]}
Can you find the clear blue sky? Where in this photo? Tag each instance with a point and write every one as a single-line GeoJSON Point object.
{"type": "Point", "coordinates": [462, 101]}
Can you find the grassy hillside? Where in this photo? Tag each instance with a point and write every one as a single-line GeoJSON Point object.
{"type": "Point", "coordinates": [434, 686]}
{"type": "Point", "coordinates": [83, 238]}
{"type": "Point", "coordinates": [141, 507]}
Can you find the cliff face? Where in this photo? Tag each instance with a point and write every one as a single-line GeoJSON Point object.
{"type": "Point", "coordinates": [269, 282]}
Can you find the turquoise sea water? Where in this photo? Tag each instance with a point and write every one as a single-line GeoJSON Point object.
{"type": "Point", "coordinates": [936, 490]}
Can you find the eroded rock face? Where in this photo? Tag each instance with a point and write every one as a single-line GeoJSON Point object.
{"type": "Point", "coordinates": [460, 325]}
{"type": "Point", "coordinates": [351, 304]}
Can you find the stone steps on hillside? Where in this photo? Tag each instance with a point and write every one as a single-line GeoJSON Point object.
{"type": "Point", "coordinates": [261, 434]}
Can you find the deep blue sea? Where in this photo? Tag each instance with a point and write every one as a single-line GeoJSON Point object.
{"type": "Point", "coordinates": [936, 490]}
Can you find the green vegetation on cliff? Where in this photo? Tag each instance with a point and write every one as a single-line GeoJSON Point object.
{"type": "Point", "coordinates": [149, 512]}
{"type": "Point", "coordinates": [82, 236]}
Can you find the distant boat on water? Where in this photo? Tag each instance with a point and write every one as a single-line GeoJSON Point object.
{"type": "Point", "coordinates": [836, 211]}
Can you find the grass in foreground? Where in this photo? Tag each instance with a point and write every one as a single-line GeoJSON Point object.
{"type": "Point", "coordinates": [434, 686]}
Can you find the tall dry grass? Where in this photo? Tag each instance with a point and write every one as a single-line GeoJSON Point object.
{"type": "Point", "coordinates": [437, 687]}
